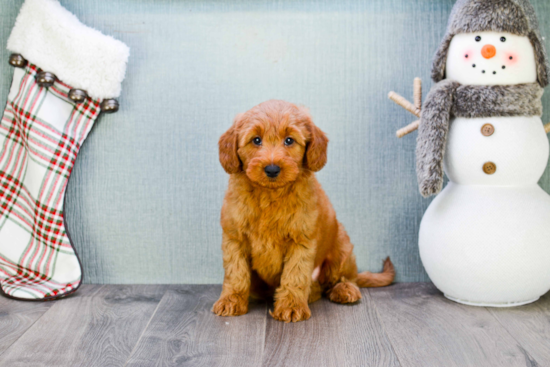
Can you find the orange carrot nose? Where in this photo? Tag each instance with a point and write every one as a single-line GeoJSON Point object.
{"type": "Point", "coordinates": [488, 51]}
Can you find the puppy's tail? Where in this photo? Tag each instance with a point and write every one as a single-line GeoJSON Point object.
{"type": "Point", "coordinates": [372, 280]}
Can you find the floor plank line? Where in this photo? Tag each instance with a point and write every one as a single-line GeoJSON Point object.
{"type": "Point", "coordinates": [144, 329]}
{"type": "Point", "coordinates": [428, 330]}
{"type": "Point", "coordinates": [335, 335]}
{"type": "Point", "coordinates": [98, 330]}
{"type": "Point", "coordinates": [264, 340]}
{"type": "Point", "coordinates": [383, 327]}
{"type": "Point", "coordinates": [529, 325]}
{"type": "Point", "coordinates": [23, 316]}
{"type": "Point", "coordinates": [529, 360]}
{"type": "Point", "coordinates": [17, 317]}
{"type": "Point", "coordinates": [185, 332]}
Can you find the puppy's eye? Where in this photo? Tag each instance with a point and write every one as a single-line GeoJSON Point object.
{"type": "Point", "coordinates": [257, 141]}
{"type": "Point", "coordinates": [289, 141]}
{"type": "Point", "coordinates": [502, 39]}
{"type": "Point", "coordinates": [478, 38]}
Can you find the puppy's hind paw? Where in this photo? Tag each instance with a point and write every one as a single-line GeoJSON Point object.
{"type": "Point", "coordinates": [232, 305]}
{"type": "Point", "coordinates": [345, 292]}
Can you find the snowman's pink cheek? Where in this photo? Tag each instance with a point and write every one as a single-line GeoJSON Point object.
{"type": "Point", "coordinates": [511, 59]}
{"type": "Point", "coordinates": [467, 55]}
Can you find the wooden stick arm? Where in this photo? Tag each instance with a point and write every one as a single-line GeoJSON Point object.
{"type": "Point", "coordinates": [417, 90]}
{"type": "Point", "coordinates": [404, 103]}
{"type": "Point", "coordinates": [408, 129]}
{"type": "Point", "coordinates": [414, 108]}
{"type": "Point", "coordinates": [547, 128]}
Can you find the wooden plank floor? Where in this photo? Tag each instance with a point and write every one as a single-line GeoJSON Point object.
{"type": "Point", "coordinates": [157, 325]}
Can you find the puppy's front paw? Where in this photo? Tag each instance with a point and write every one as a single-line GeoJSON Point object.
{"type": "Point", "coordinates": [290, 313]}
{"type": "Point", "coordinates": [232, 305]}
{"type": "Point", "coordinates": [345, 292]}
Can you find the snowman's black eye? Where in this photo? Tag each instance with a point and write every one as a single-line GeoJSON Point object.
{"type": "Point", "coordinates": [478, 38]}
{"type": "Point", "coordinates": [289, 141]}
{"type": "Point", "coordinates": [257, 141]}
{"type": "Point", "coordinates": [502, 39]}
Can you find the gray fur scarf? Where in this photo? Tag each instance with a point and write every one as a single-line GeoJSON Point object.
{"type": "Point", "coordinates": [447, 99]}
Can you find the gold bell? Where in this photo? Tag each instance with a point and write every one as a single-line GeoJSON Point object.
{"type": "Point", "coordinates": [45, 79]}
{"type": "Point", "coordinates": [109, 105]}
{"type": "Point", "coordinates": [18, 61]}
{"type": "Point", "coordinates": [78, 95]}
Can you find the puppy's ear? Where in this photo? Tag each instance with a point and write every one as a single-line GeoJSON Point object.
{"type": "Point", "coordinates": [316, 146]}
{"type": "Point", "coordinates": [228, 146]}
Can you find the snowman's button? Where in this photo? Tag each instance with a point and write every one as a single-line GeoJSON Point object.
{"type": "Point", "coordinates": [489, 168]}
{"type": "Point", "coordinates": [487, 130]}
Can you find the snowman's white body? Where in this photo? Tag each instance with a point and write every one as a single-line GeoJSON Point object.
{"type": "Point", "coordinates": [485, 239]}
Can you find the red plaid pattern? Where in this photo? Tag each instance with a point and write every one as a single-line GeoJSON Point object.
{"type": "Point", "coordinates": [41, 133]}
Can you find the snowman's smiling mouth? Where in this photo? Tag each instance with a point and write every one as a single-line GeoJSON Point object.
{"type": "Point", "coordinates": [484, 71]}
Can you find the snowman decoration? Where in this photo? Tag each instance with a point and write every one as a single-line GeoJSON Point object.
{"type": "Point", "coordinates": [485, 239]}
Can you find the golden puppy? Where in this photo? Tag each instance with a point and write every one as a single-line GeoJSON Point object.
{"type": "Point", "coordinates": [280, 233]}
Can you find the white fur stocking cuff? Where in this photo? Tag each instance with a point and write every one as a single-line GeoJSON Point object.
{"type": "Point", "coordinates": [48, 35]}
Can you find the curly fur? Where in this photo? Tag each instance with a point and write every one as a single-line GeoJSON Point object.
{"type": "Point", "coordinates": [278, 232]}
{"type": "Point", "coordinates": [512, 16]}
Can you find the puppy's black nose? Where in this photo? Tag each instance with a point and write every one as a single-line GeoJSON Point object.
{"type": "Point", "coordinates": [272, 171]}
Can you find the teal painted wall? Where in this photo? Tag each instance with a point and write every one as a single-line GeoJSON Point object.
{"type": "Point", "coordinates": [144, 199]}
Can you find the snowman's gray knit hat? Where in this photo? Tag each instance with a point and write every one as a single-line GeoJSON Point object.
{"type": "Point", "coordinates": [512, 16]}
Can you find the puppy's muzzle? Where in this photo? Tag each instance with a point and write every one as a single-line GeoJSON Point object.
{"type": "Point", "coordinates": [272, 171]}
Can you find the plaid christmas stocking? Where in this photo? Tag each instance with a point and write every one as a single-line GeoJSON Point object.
{"type": "Point", "coordinates": [65, 74]}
